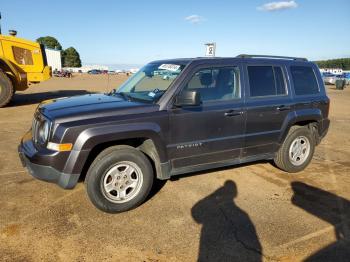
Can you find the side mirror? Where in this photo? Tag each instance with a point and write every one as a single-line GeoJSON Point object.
{"type": "Point", "coordinates": [188, 98]}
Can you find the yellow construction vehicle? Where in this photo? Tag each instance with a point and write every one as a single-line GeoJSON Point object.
{"type": "Point", "coordinates": [22, 62]}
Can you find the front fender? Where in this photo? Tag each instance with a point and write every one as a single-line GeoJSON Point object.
{"type": "Point", "coordinates": [92, 137]}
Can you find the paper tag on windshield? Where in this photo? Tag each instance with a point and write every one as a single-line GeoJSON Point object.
{"type": "Point", "coordinates": [170, 67]}
{"type": "Point", "coordinates": [151, 94]}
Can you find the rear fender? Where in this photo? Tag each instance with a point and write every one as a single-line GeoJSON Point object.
{"type": "Point", "coordinates": [304, 115]}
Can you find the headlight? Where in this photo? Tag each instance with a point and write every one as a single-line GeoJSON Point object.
{"type": "Point", "coordinates": [43, 132]}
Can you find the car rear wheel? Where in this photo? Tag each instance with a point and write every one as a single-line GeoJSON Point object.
{"type": "Point", "coordinates": [119, 179]}
{"type": "Point", "coordinates": [6, 89]}
{"type": "Point", "coordinates": [296, 151]}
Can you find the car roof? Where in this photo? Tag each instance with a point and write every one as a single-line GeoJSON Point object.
{"type": "Point", "coordinates": [240, 58]}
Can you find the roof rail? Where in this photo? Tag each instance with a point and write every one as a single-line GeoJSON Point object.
{"type": "Point", "coordinates": [272, 56]}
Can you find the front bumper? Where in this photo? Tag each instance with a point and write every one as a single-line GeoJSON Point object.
{"type": "Point", "coordinates": [41, 171]}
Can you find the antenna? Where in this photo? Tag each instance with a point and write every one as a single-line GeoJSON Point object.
{"type": "Point", "coordinates": [0, 23]}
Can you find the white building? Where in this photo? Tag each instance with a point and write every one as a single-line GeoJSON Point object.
{"type": "Point", "coordinates": [53, 58]}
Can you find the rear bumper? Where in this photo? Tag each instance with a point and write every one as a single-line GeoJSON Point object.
{"type": "Point", "coordinates": [41, 171]}
{"type": "Point", "coordinates": [325, 127]}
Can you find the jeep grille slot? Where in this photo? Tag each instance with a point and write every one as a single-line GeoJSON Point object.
{"type": "Point", "coordinates": [35, 128]}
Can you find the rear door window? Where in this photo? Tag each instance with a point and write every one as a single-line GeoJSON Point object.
{"type": "Point", "coordinates": [266, 81]}
{"type": "Point", "coordinates": [304, 80]}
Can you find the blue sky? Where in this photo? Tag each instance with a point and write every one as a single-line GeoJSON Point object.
{"type": "Point", "coordinates": [135, 32]}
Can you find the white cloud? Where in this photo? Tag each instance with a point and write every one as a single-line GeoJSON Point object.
{"type": "Point", "coordinates": [194, 19]}
{"type": "Point", "coordinates": [276, 6]}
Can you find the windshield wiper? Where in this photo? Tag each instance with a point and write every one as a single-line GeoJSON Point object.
{"type": "Point", "coordinates": [123, 95]}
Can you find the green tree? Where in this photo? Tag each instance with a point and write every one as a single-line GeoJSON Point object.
{"type": "Point", "coordinates": [71, 58]}
{"type": "Point", "coordinates": [343, 63]}
{"type": "Point", "coordinates": [49, 42]}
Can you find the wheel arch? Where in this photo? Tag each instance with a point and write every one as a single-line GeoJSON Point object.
{"type": "Point", "coordinates": [84, 152]}
{"type": "Point", "coordinates": [309, 117]}
{"type": "Point", "coordinates": [13, 74]}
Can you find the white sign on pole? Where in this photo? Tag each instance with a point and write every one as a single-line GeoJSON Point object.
{"type": "Point", "coordinates": [210, 49]}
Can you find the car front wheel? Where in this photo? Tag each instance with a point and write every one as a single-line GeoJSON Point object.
{"type": "Point", "coordinates": [119, 179]}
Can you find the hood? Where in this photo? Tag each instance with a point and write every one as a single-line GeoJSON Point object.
{"type": "Point", "coordinates": [91, 106]}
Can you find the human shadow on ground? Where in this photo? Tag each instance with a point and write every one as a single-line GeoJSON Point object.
{"type": "Point", "coordinates": [332, 209]}
{"type": "Point", "coordinates": [21, 99]}
{"type": "Point", "coordinates": [227, 232]}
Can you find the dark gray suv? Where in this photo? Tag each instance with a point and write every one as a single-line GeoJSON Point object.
{"type": "Point", "coordinates": [211, 112]}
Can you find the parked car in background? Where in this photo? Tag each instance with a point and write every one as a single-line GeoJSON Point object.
{"type": "Point", "coordinates": [344, 76]}
{"type": "Point", "coordinates": [63, 73]}
{"type": "Point", "coordinates": [94, 72]}
{"type": "Point", "coordinates": [329, 78]}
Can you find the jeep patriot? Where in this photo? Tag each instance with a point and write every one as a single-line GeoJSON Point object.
{"type": "Point", "coordinates": [178, 116]}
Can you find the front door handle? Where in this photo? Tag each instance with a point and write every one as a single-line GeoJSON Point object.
{"type": "Point", "coordinates": [233, 113]}
{"type": "Point", "coordinates": [283, 108]}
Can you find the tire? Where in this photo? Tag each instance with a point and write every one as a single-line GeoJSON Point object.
{"type": "Point", "coordinates": [107, 179]}
{"type": "Point", "coordinates": [6, 89]}
{"type": "Point", "coordinates": [297, 150]}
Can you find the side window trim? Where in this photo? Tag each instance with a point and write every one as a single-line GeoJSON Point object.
{"type": "Point", "coordinates": [284, 79]}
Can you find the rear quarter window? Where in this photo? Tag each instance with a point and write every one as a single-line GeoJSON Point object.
{"type": "Point", "coordinates": [304, 80]}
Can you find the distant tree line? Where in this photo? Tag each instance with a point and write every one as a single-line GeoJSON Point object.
{"type": "Point", "coordinates": [70, 56]}
{"type": "Point", "coordinates": [343, 63]}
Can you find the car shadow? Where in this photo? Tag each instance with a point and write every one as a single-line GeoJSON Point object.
{"type": "Point", "coordinates": [227, 232]}
{"type": "Point", "coordinates": [331, 208]}
{"type": "Point", "coordinates": [21, 99]}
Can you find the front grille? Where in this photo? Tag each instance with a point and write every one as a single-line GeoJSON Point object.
{"type": "Point", "coordinates": [35, 127]}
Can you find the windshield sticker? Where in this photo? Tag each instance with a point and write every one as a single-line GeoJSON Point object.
{"type": "Point", "coordinates": [151, 94]}
{"type": "Point", "coordinates": [170, 67]}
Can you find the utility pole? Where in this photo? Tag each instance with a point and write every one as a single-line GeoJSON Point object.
{"type": "Point", "coordinates": [0, 23]}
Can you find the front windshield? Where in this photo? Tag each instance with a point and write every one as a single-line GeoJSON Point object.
{"type": "Point", "coordinates": [150, 82]}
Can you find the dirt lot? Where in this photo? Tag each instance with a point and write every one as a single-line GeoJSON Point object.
{"type": "Point", "coordinates": [254, 212]}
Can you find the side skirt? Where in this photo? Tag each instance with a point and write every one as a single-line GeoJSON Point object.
{"type": "Point", "coordinates": [167, 171]}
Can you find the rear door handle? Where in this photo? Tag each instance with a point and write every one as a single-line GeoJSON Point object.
{"type": "Point", "coordinates": [283, 108]}
{"type": "Point", "coordinates": [233, 113]}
